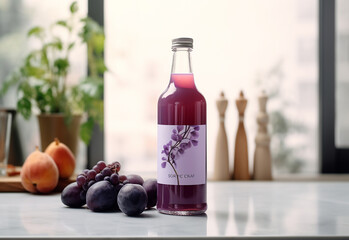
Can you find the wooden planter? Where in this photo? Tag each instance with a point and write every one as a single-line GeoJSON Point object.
{"type": "Point", "coordinates": [53, 126]}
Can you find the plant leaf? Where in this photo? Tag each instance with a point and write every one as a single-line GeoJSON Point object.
{"type": "Point", "coordinates": [62, 23]}
{"type": "Point", "coordinates": [61, 65]}
{"type": "Point", "coordinates": [74, 7]}
{"type": "Point", "coordinates": [101, 68]}
{"type": "Point", "coordinates": [36, 72]}
{"type": "Point", "coordinates": [27, 90]}
{"type": "Point", "coordinates": [24, 107]}
{"type": "Point", "coordinates": [90, 29]}
{"type": "Point", "coordinates": [97, 112]}
{"type": "Point", "coordinates": [12, 80]}
{"type": "Point", "coordinates": [71, 45]}
{"type": "Point", "coordinates": [56, 43]}
{"type": "Point", "coordinates": [32, 56]}
{"type": "Point", "coordinates": [36, 31]}
{"type": "Point", "coordinates": [97, 41]}
{"type": "Point", "coordinates": [86, 130]}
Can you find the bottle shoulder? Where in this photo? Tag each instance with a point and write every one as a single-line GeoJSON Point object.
{"type": "Point", "coordinates": [180, 106]}
{"type": "Point", "coordinates": [174, 94]}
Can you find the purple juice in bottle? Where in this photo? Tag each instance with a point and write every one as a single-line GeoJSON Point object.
{"type": "Point", "coordinates": [181, 149]}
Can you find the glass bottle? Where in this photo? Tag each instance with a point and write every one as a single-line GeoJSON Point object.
{"type": "Point", "coordinates": [181, 164]}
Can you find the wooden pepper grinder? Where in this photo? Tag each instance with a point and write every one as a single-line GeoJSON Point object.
{"type": "Point", "coordinates": [221, 164]}
{"type": "Point", "coordinates": [241, 170]}
{"type": "Point", "coordinates": [262, 157]}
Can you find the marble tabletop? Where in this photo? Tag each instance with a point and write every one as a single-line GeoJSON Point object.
{"type": "Point", "coordinates": [235, 209]}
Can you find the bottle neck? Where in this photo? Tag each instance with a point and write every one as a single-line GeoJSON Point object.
{"type": "Point", "coordinates": [181, 74]}
{"type": "Point", "coordinates": [181, 63]}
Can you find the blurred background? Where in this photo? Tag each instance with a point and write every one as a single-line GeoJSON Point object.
{"type": "Point", "coordinates": [244, 45]}
{"type": "Point", "coordinates": [238, 45]}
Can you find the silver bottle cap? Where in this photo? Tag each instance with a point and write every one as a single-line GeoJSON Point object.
{"type": "Point", "coordinates": [182, 42]}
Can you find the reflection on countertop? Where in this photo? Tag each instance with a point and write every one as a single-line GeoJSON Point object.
{"type": "Point", "coordinates": [234, 209]}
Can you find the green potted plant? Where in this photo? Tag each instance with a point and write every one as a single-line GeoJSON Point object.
{"type": "Point", "coordinates": [42, 81]}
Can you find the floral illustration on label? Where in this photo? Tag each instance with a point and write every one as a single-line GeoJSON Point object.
{"type": "Point", "coordinates": [183, 137]}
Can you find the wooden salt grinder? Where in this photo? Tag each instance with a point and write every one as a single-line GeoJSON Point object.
{"type": "Point", "coordinates": [221, 164]}
{"type": "Point", "coordinates": [262, 169]}
{"type": "Point", "coordinates": [241, 170]}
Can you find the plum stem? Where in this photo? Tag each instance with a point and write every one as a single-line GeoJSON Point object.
{"type": "Point", "coordinates": [57, 141]}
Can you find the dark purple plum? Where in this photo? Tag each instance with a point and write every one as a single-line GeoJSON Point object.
{"type": "Point", "coordinates": [73, 196]}
{"type": "Point", "coordinates": [102, 196]}
{"type": "Point", "coordinates": [85, 186]}
{"type": "Point", "coordinates": [106, 171]}
{"type": "Point", "coordinates": [114, 179]}
{"type": "Point", "coordinates": [83, 196]}
{"type": "Point", "coordinates": [91, 174]}
{"type": "Point", "coordinates": [96, 169]}
{"type": "Point", "coordinates": [119, 186]}
{"type": "Point", "coordinates": [151, 186]}
{"type": "Point", "coordinates": [101, 165]}
{"type": "Point", "coordinates": [135, 179]}
{"type": "Point", "coordinates": [81, 180]}
{"type": "Point", "coordinates": [99, 177]}
{"type": "Point", "coordinates": [122, 178]}
{"type": "Point", "coordinates": [90, 183]}
{"type": "Point", "coordinates": [132, 199]}
{"type": "Point", "coordinates": [126, 182]}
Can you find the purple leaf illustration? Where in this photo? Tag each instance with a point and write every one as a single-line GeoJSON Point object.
{"type": "Point", "coordinates": [188, 145]}
{"type": "Point", "coordinates": [180, 128]}
{"type": "Point", "coordinates": [194, 135]}
{"type": "Point", "coordinates": [184, 137]}
{"type": "Point", "coordinates": [174, 137]}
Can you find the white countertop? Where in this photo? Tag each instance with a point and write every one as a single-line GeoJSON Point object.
{"type": "Point", "coordinates": [235, 209]}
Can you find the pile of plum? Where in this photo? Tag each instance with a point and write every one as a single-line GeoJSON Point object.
{"type": "Point", "coordinates": [103, 189]}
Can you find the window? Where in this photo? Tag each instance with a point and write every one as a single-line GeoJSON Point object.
{"type": "Point", "coordinates": [342, 74]}
{"type": "Point", "coordinates": [248, 45]}
{"type": "Point", "coordinates": [16, 18]}
{"type": "Point", "coordinates": [332, 84]}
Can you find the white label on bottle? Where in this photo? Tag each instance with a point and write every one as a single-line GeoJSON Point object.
{"type": "Point", "coordinates": [181, 154]}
